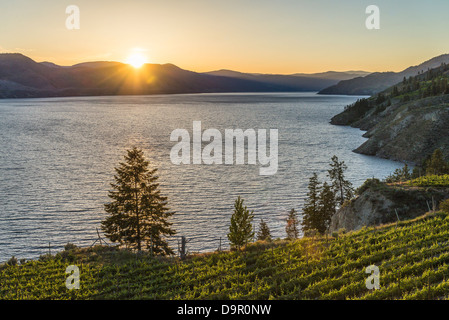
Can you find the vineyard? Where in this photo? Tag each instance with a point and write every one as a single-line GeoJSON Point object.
{"type": "Point", "coordinates": [412, 257]}
{"type": "Point", "coordinates": [431, 181]}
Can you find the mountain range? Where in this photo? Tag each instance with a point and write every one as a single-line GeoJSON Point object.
{"type": "Point", "coordinates": [22, 77]}
{"type": "Point", "coordinates": [376, 82]}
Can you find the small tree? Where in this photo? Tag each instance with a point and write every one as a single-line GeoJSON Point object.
{"type": "Point", "coordinates": [342, 188]}
{"type": "Point", "coordinates": [240, 230]}
{"type": "Point", "coordinates": [264, 233]}
{"type": "Point", "coordinates": [319, 207]}
{"type": "Point", "coordinates": [436, 165]}
{"type": "Point", "coordinates": [327, 208]}
{"type": "Point", "coordinates": [399, 175]}
{"type": "Point", "coordinates": [138, 212]}
{"type": "Point", "coordinates": [292, 225]}
{"type": "Point", "coordinates": [311, 217]}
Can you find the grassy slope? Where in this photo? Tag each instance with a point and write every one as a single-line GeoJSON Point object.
{"type": "Point", "coordinates": [412, 256]}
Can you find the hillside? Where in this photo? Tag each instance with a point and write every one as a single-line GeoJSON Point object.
{"type": "Point", "coordinates": [379, 81]}
{"type": "Point", "coordinates": [412, 256]}
{"type": "Point", "coordinates": [405, 122]}
{"type": "Point", "coordinates": [22, 77]}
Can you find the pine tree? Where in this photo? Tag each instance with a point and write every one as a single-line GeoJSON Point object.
{"type": "Point", "coordinates": [342, 188]}
{"type": "Point", "coordinates": [436, 165]}
{"type": "Point", "coordinates": [327, 207]}
{"type": "Point", "coordinates": [399, 175]}
{"type": "Point", "coordinates": [264, 233]}
{"type": "Point", "coordinates": [138, 212]}
{"type": "Point", "coordinates": [292, 225]}
{"type": "Point", "coordinates": [311, 214]}
{"type": "Point", "coordinates": [395, 91]}
{"type": "Point", "coordinates": [240, 230]}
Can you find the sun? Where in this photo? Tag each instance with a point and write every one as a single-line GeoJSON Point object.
{"type": "Point", "coordinates": [136, 60]}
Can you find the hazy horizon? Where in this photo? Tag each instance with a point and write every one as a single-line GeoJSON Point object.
{"type": "Point", "coordinates": [223, 69]}
{"type": "Point", "coordinates": [285, 37]}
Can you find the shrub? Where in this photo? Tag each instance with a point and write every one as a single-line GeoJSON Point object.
{"type": "Point", "coordinates": [368, 184]}
{"type": "Point", "coordinates": [444, 205]}
{"type": "Point", "coordinates": [399, 175]}
{"type": "Point", "coordinates": [12, 261]}
{"type": "Point", "coordinates": [69, 246]}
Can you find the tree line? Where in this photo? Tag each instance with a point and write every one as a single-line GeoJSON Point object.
{"type": "Point", "coordinates": [435, 164]}
{"type": "Point", "coordinates": [138, 215]}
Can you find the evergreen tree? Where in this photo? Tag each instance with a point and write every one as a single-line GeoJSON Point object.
{"type": "Point", "coordinates": [240, 230]}
{"type": "Point", "coordinates": [380, 98]}
{"type": "Point", "coordinates": [311, 214]}
{"type": "Point", "coordinates": [395, 91]}
{"type": "Point", "coordinates": [417, 172]}
{"type": "Point", "coordinates": [138, 212]}
{"type": "Point", "coordinates": [342, 188]}
{"type": "Point", "coordinates": [400, 175]}
{"type": "Point", "coordinates": [292, 225]}
{"type": "Point", "coordinates": [436, 164]}
{"type": "Point", "coordinates": [327, 208]}
{"type": "Point", "coordinates": [264, 233]}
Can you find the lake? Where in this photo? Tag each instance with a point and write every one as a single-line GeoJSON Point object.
{"type": "Point", "coordinates": [58, 156]}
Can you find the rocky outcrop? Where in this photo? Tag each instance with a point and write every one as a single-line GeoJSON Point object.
{"type": "Point", "coordinates": [408, 132]}
{"type": "Point", "coordinates": [379, 204]}
{"type": "Point", "coordinates": [370, 208]}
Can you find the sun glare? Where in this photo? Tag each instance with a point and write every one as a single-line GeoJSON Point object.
{"type": "Point", "coordinates": [136, 60]}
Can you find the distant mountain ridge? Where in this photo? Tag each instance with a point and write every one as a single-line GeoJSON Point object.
{"type": "Point", "coordinates": [335, 75]}
{"type": "Point", "coordinates": [310, 82]}
{"type": "Point", "coordinates": [22, 77]}
{"type": "Point", "coordinates": [379, 81]}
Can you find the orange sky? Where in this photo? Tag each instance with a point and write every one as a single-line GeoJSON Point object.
{"type": "Point", "coordinates": [287, 36]}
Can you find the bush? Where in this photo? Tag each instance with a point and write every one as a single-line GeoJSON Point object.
{"type": "Point", "coordinates": [45, 257]}
{"type": "Point", "coordinates": [12, 261]}
{"type": "Point", "coordinates": [399, 175]}
{"type": "Point", "coordinates": [444, 205]}
{"type": "Point", "coordinates": [311, 233]}
{"type": "Point", "coordinates": [368, 184]}
{"type": "Point", "coordinates": [69, 246]}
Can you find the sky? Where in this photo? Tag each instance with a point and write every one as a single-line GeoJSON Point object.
{"type": "Point", "coordinates": [263, 36]}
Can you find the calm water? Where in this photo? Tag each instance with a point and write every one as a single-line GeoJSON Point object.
{"type": "Point", "coordinates": [58, 157]}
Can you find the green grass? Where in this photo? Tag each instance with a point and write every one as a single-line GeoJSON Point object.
{"type": "Point", "coordinates": [412, 257]}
